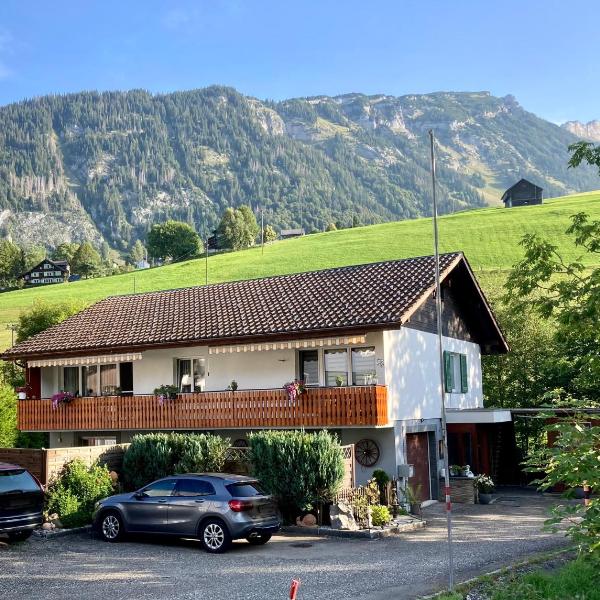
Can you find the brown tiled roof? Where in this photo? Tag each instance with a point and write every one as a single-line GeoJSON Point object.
{"type": "Point", "coordinates": [343, 299]}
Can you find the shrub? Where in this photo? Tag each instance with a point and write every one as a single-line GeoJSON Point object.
{"type": "Point", "coordinates": [154, 455]}
{"type": "Point", "coordinates": [73, 493]}
{"type": "Point", "coordinates": [572, 461]}
{"type": "Point", "coordinates": [300, 469]}
{"type": "Point", "coordinates": [380, 515]}
{"type": "Point", "coordinates": [382, 479]}
{"type": "Point", "coordinates": [201, 454]}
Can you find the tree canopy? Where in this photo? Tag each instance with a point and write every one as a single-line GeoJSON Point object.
{"type": "Point", "coordinates": [86, 261]}
{"type": "Point", "coordinates": [173, 240]}
{"type": "Point", "coordinates": [238, 228]}
{"type": "Point", "coordinates": [43, 315]}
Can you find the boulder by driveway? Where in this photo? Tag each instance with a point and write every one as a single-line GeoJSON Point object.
{"type": "Point", "coordinates": [405, 566]}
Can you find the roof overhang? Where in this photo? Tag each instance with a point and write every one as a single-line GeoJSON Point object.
{"type": "Point", "coordinates": [477, 415]}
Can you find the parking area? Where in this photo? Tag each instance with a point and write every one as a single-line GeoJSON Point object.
{"type": "Point", "coordinates": [405, 566]}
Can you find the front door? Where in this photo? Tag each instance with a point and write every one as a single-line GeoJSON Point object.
{"type": "Point", "coordinates": [149, 510]}
{"type": "Point", "coordinates": [192, 498]}
{"type": "Point", "coordinates": [417, 454]}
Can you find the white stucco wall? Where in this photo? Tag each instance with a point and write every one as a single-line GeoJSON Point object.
{"type": "Point", "coordinates": [412, 374]}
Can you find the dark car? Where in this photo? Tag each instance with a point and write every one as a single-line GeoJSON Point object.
{"type": "Point", "coordinates": [21, 502]}
{"type": "Point", "coordinates": [215, 508]}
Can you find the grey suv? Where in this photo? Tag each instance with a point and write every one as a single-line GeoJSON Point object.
{"type": "Point", "coordinates": [214, 507]}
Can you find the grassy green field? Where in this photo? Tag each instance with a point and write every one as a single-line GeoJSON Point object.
{"type": "Point", "coordinates": [489, 237]}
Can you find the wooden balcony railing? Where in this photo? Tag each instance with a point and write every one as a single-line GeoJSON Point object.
{"type": "Point", "coordinates": [317, 407]}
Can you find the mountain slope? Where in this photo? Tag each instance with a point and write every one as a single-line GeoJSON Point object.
{"type": "Point", "coordinates": [489, 237]}
{"type": "Point", "coordinates": [588, 131]}
{"type": "Point", "coordinates": [107, 165]}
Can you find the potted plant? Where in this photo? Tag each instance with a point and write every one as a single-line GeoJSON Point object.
{"type": "Point", "coordinates": [339, 381]}
{"type": "Point", "coordinates": [61, 397]}
{"type": "Point", "coordinates": [455, 470]}
{"type": "Point", "coordinates": [166, 392]}
{"type": "Point", "coordinates": [233, 386]}
{"type": "Point", "coordinates": [22, 392]}
{"type": "Point", "coordinates": [485, 486]}
{"type": "Point", "coordinates": [412, 495]}
{"type": "Point", "coordinates": [294, 389]}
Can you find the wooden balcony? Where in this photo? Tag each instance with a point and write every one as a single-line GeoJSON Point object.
{"type": "Point", "coordinates": [317, 407]}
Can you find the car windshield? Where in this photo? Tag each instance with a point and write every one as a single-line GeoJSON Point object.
{"type": "Point", "coordinates": [17, 480]}
{"type": "Point", "coordinates": [245, 489]}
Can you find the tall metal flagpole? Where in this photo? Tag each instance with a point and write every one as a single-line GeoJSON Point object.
{"type": "Point", "coordinates": [438, 306]}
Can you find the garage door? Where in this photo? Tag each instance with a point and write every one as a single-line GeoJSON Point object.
{"type": "Point", "coordinates": [417, 454]}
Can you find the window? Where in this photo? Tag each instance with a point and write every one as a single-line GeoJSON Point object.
{"type": "Point", "coordinates": [455, 373]}
{"type": "Point", "coordinates": [247, 489]}
{"type": "Point", "coordinates": [108, 380]}
{"type": "Point", "coordinates": [160, 488]}
{"type": "Point", "coordinates": [190, 374]}
{"type": "Point", "coordinates": [17, 479]}
{"type": "Point", "coordinates": [363, 366]}
{"type": "Point", "coordinates": [194, 487]}
{"type": "Point", "coordinates": [90, 380]}
{"type": "Point", "coordinates": [336, 367]}
{"type": "Point", "coordinates": [309, 367]}
{"type": "Point", "coordinates": [98, 441]}
{"type": "Point", "coordinates": [71, 380]}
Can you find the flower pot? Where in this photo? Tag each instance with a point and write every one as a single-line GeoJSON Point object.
{"type": "Point", "coordinates": [484, 498]}
{"type": "Point", "coordinates": [415, 508]}
{"type": "Point", "coordinates": [22, 395]}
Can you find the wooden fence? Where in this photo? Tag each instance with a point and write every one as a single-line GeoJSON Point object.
{"type": "Point", "coordinates": [44, 464]}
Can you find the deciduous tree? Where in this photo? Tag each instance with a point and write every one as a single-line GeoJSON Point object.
{"type": "Point", "coordinates": [173, 240]}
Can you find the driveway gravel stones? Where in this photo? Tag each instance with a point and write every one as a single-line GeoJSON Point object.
{"type": "Point", "coordinates": [403, 566]}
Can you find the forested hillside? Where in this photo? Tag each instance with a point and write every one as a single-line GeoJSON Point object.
{"type": "Point", "coordinates": [106, 166]}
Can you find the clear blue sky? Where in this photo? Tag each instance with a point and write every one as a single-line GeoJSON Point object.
{"type": "Point", "coordinates": [546, 53]}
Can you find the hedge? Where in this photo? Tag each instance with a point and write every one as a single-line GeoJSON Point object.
{"type": "Point", "coordinates": [300, 469]}
{"type": "Point", "coordinates": [154, 455]}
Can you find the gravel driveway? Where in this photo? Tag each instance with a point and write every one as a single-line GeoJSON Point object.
{"type": "Point", "coordinates": [486, 537]}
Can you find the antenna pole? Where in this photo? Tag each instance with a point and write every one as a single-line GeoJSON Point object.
{"type": "Point", "coordinates": [438, 307]}
{"type": "Point", "coordinates": [262, 229]}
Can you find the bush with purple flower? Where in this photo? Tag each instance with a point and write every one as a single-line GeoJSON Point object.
{"type": "Point", "coordinates": [61, 398]}
{"type": "Point", "coordinates": [294, 389]}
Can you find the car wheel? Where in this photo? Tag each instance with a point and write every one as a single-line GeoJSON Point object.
{"type": "Point", "coordinates": [19, 536]}
{"type": "Point", "coordinates": [111, 527]}
{"type": "Point", "coordinates": [214, 536]}
{"type": "Point", "coordinates": [259, 540]}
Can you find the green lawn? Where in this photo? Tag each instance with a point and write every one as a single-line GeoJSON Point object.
{"type": "Point", "coordinates": [578, 579]}
{"type": "Point", "coordinates": [489, 237]}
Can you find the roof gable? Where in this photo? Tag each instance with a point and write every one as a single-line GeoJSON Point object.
{"type": "Point", "coordinates": [356, 298]}
{"type": "Point", "coordinates": [518, 184]}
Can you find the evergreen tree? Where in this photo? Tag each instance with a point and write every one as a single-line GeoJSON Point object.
{"type": "Point", "coordinates": [138, 252]}
{"type": "Point", "coordinates": [269, 234]}
{"type": "Point", "coordinates": [86, 261]}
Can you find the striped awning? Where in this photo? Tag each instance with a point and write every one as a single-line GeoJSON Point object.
{"type": "Point", "coordinates": [289, 345]}
{"type": "Point", "coordinates": [85, 360]}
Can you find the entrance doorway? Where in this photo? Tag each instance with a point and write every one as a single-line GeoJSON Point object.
{"type": "Point", "coordinates": [417, 454]}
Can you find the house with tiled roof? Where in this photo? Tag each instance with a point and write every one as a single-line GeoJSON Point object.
{"type": "Point", "coordinates": [362, 339]}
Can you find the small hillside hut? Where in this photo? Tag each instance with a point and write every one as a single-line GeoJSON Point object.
{"type": "Point", "coordinates": [523, 193]}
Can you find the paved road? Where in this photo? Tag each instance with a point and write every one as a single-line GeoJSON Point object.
{"type": "Point", "coordinates": [406, 566]}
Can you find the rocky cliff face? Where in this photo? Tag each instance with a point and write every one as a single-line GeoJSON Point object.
{"type": "Point", "coordinates": [586, 131]}
{"type": "Point", "coordinates": [106, 166]}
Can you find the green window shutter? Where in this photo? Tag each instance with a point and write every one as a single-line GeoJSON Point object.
{"type": "Point", "coordinates": [448, 371]}
{"type": "Point", "coordinates": [464, 383]}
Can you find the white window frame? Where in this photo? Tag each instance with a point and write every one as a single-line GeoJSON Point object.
{"type": "Point", "coordinates": [192, 359]}
{"type": "Point", "coordinates": [321, 355]}
{"type": "Point", "coordinates": [61, 378]}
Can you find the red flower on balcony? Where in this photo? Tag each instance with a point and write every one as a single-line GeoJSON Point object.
{"type": "Point", "coordinates": [294, 389]}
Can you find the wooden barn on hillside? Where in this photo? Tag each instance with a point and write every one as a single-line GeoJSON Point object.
{"type": "Point", "coordinates": [523, 193]}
